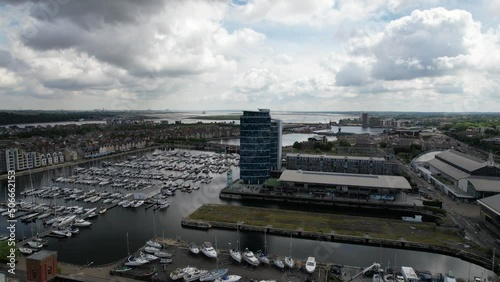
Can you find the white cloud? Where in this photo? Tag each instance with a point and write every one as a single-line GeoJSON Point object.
{"type": "Point", "coordinates": [8, 79]}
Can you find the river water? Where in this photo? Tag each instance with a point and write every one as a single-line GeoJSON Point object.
{"type": "Point", "coordinates": [106, 241]}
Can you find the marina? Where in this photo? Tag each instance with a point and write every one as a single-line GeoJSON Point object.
{"type": "Point", "coordinates": [107, 178]}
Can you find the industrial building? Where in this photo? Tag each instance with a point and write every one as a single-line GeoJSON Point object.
{"type": "Point", "coordinates": [260, 146]}
{"type": "Point", "coordinates": [463, 177]}
{"type": "Point", "coordinates": [342, 164]}
{"type": "Point", "coordinates": [490, 210]}
{"type": "Point", "coordinates": [381, 187]}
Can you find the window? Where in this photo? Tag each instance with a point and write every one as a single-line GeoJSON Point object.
{"type": "Point", "coordinates": [34, 273]}
{"type": "Point", "coordinates": [49, 271]}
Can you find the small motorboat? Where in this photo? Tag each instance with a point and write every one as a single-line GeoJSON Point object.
{"type": "Point", "coordinates": [162, 254]}
{"type": "Point", "coordinates": [193, 248]}
{"type": "Point", "coordinates": [153, 244]}
{"type": "Point", "coordinates": [165, 260]}
{"type": "Point", "coordinates": [278, 263]}
{"type": "Point", "coordinates": [26, 251]}
{"type": "Point", "coordinates": [180, 272]}
{"type": "Point", "coordinates": [208, 250]}
{"type": "Point", "coordinates": [132, 261]}
{"type": "Point", "coordinates": [148, 257]}
{"type": "Point", "coordinates": [310, 265]}
{"type": "Point", "coordinates": [235, 254]}
{"type": "Point", "coordinates": [289, 262]}
{"type": "Point", "coordinates": [151, 250]}
{"type": "Point", "coordinates": [228, 278]}
{"type": "Point", "coordinates": [262, 257]}
{"type": "Point", "coordinates": [213, 274]}
{"type": "Point", "coordinates": [122, 269]}
{"type": "Point", "coordinates": [194, 276]}
{"type": "Point", "coordinates": [102, 210]}
{"type": "Point", "coordinates": [250, 258]}
{"type": "Point", "coordinates": [35, 245]}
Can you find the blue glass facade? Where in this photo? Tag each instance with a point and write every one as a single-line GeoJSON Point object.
{"type": "Point", "coordinates": [257, 150]}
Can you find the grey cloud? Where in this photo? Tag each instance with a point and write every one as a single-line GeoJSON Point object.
{"type": "Point", "coordinates": [351, 74]}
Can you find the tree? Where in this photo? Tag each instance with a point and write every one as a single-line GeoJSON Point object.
{"type": "Point", "coordinates": [383, 144]}
{"type": "Point", "coordinates": [344, 143]}
{"type": "Point", "coordinates": [297, 145]}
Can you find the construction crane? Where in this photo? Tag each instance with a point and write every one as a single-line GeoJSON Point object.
{"type": "Point", "coordinates": [374, 265]}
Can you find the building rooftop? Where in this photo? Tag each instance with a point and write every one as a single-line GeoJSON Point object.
{"type": "Point", "coordinates": [447, 169]}
{"type": "Point", "coordinates": [492, 203]}
{"type": "Point", "coordinates": [41, 255]}
{"type": "Point", "coordinates": [485, 184]}
{"type": "Point", "coordinates": [346, 179]}
{"type": "Point", "coordinates": [335, 157]}
{"type": "Point", "coordinates": [464, 161]}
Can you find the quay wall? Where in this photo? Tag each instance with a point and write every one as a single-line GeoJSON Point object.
{"type": "Point", "coordinates": [329, 202]}
{"type": "Point", "coordinates": [332, 237]}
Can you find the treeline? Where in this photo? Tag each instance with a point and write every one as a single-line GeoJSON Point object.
{"type": "Point", "coordinates": [38, 117]}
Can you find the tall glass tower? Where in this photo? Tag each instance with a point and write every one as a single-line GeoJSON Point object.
{"type": "Point", "coordinates": [260, 146]}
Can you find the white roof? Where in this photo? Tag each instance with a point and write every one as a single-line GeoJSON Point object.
{"type": "Point", "coordinates": [464, 161]}
{"type": "Point", "coordinates": [345, 179]}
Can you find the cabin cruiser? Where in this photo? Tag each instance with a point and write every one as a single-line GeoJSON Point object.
{"type": "Point", "coordinates": [153, 244]}
{"type": "Point", "coordinates": [102, 210]}
{"type": "Point", "coordinates": [81, 223]}
{"type": "Point", "coordinates": [132, 261]}
{"type": "Point", "coordinates": [148, 257]}
{"type": "Point", "coordinates": [235, 254]}
{"type": "Point", "coordinates": [63, 233]}
{"type": "Point", "coordinates": [151, 250]}
{"type": "Point", "coordinates": [262, 257]}
{"type": "Point", "coordinates": [208, 250]}
{"type": "Point", "coordinates": [249, 257]}
{"type": "Point", "coordinates": [310, 265]}
{"type": "Point", "coordinates": [194, 248]}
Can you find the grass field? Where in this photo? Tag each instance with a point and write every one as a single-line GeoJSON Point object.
{"type": "Point", "coordinates": [420, 232]}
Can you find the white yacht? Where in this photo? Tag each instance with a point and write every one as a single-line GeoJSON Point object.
{"type": "Point", "coordinates": [250, 258]}
{"type": "Point", "coordinates": [289, 262]}
{"type": "Point", "coordinates": [235, 254]}
{"type": "Point", "coordinates": [194, 248]}
{"type": "Point", "coordinates": [151, 250]}
{"type": "Point", "coordinates": [35, 245]}
{"type": "Point", "coordinates": [153, 244]}
{"type": "Point", "coordinates": [208, 250]}
{"type": "Point", "coordinates": [310, 264]}
{"type": "Point", "coordinates": [131, 261]}
{"type": "Point", "coordinates": [81, 223]}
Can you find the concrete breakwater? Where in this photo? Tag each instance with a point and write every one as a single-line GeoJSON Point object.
{"type": "Point", "coordinates": [338, 238]}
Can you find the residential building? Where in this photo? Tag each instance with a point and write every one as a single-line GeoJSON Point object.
{"type": "Point", "coordinates": [260, 146]}
{"type": "Point", "coordinates": [342, 164]}
{"type": "Point", "coordinates": [490, 210]}
{"type": "Point", "coordinates": [3, 163]}
{"type": "Point", "coordinates": [364, 119]}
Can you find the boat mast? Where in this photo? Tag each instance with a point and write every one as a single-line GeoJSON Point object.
{"type": "Point", "coordinates": [128, 249]}
{"type": "Point", "coordinates": [290, 245]}
{"type": "Point", "coordinates": [265, 241]}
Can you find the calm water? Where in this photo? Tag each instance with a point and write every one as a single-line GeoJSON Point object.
{"type": "Point", "coordinates": [105, 241]}
{"type": "Point", "coordinates": [355, 130]}
{"type": "Point", "coordinates": [287, 139]}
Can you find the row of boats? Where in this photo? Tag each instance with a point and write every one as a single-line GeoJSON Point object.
{"type": "Point", "coordinates": [252, 259]}
{"type": "Point", "coordinates": [189, 274]}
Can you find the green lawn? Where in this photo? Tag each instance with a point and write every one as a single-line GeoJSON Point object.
{"type": "Point", "coordinates": [380, 228]}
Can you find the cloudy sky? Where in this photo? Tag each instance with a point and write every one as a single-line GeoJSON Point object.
{"type": "Point", "coordinates": [342, 55]}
